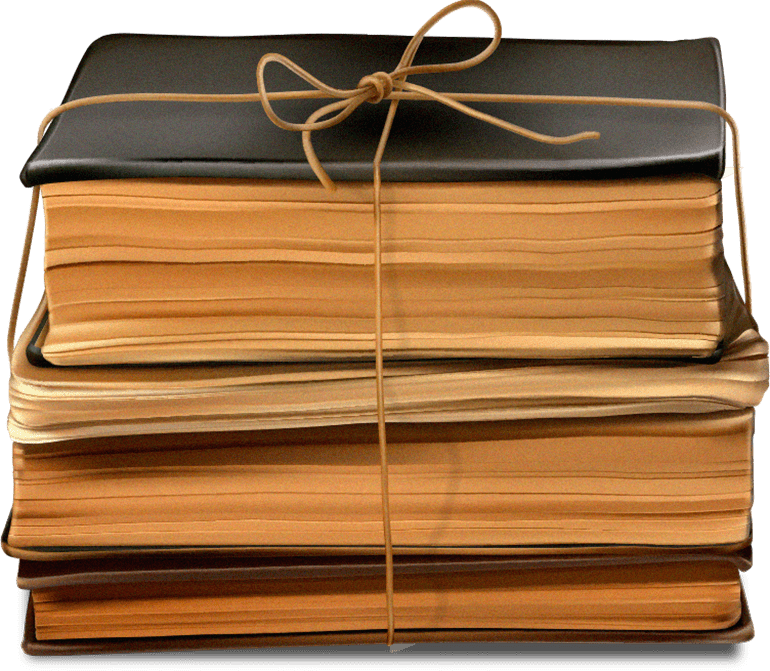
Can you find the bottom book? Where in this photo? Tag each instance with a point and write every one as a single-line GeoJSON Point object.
{"type": "Point", "coordinates": [176, 603]}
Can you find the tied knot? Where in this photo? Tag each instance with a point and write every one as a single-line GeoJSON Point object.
{"type": "Point", "coordinates": [380, 85]}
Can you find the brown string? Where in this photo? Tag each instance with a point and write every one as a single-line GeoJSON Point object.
{"type": "Point", "coordinates": [375, 88]}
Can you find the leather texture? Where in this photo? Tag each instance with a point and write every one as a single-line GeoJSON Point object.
{"type": "Point", "coordinates": [49, 574]}
{"type": "Point", "coordinates": [429, 142]}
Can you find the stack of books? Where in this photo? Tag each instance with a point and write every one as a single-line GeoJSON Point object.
{"type": "Point", "coordinates": [570, 372]}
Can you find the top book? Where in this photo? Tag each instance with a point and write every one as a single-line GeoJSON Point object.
{"type": "Point", "coordinates": [429, 142]}
{"type": "Point", "coordinates": [197, 231]}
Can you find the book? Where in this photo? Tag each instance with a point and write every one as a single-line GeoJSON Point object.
{"type": "Point", "coordinates": [152, 600]}
{"type": "Point", "coordinates": [494, 246]}
{"type": "Point", "coordinates": [665, 480]}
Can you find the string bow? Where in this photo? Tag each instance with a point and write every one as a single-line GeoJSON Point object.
{"type": "Point", "coordinates": [379, 86]}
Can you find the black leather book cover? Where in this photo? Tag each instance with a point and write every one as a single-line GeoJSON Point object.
{"type": "Point", "coordinates": [429, 142]}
